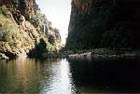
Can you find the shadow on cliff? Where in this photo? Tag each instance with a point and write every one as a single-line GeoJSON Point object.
{"type": "Point", "coordinates": [110, 24]}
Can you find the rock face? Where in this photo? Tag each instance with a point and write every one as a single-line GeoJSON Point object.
{"type": "Point", "coordinates": [104, 23]}
{"type": "Point", "coordinates": [24, 30]}
{"type": "Point", "coordinates": [24, 7]}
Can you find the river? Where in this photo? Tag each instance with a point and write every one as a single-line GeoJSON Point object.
{"type": "Point", "coordinates": [65, 76]}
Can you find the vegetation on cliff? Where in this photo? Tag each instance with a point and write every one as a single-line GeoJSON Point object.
{"type": "Point", "coordinates": [24, 30]}
{"type": "Point", "coordinates": [104, 24]}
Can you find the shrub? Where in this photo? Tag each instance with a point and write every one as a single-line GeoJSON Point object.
{"type": "Point", "coordinates": [4, 10]}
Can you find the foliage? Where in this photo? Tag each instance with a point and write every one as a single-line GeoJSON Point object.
{"type": "Point", "coordinates": [4, 10]}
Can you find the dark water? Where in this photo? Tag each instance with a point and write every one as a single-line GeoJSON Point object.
{"type": "Point", "coordinates": [61, 76]}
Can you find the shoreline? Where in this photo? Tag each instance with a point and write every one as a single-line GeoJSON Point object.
{"type": "Point", "coordinates": [101, 53]}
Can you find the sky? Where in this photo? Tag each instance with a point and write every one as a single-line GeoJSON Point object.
{"type": "Point", "coordinates": [58, 12]}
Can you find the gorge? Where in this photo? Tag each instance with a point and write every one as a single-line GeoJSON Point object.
{"type": "Point", "coordinates": [101, 55]}
{"type": "Point", "coordinates": [111, 24]}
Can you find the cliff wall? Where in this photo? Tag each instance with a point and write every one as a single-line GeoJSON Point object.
{"type": "Point", "coordinates": [24, 30]}
{"type": "Point", "coordinates": [104, 24]}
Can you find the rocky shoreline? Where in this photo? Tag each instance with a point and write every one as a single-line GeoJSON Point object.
{"type": "Point", "coordinates": [105, 54]}
{"type": "Point", "coordinates": [102, 53]}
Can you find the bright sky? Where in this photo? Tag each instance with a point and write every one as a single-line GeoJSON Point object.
{"type": "Point", "coordinates": [58, 12]}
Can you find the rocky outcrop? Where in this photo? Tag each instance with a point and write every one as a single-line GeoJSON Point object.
{"type": "Point", "coordinates": [24, 7]}
{"type": "Point", "coordinates": [24, 30]}
{"type": "Point", "coordinates": [104, 24]}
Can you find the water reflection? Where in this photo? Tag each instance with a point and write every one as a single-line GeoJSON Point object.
{"type": "Point", "coordinates": [106, 76]}
{"type": "Point", "coordinates": [19, 75]}
{"type": "Point", "coordinates": [59, 76]}
{"type": "Point", "coordinates": [59, 80]}
{"type": "Point", "coordinates": [51, 76]}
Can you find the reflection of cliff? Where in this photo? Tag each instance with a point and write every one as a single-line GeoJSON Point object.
{"type": "Point", "coordinates": [35, 76]}
{"type": "Point", "coordinates": [104, 23]}
{"type": "Point", "coordinates": [22, 27]}
{"type": "Point", "coordinates": [25, 75]}
{"type": "Point", "coordinates": [21, 76]}
{"type": "Point", "coordinates": [105, 76]}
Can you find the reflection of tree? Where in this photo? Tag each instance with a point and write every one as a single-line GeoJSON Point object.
{"type": "Point", "coordinates": [27, 75]}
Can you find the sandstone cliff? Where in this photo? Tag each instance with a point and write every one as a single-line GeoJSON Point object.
{"type": "Point", "coordinates": [104, 24]}
{"type": "Point", "coordinates": [24, 30]}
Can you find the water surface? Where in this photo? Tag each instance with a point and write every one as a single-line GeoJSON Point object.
{"type": "Point", "coordinates": [62, 76]}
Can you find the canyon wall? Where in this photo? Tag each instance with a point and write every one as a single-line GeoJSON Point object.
{"type": "Point", "coordinates": [24, 30]}
{"type": "Point", "coordinates": [104, 24]}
